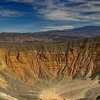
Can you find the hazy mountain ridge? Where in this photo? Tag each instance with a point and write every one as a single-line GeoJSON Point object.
{"type": "Point", "coordinates": [52, 36]}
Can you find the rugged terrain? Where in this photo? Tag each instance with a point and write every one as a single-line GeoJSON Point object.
{"type": "Point", "coordinates": [30, 69]}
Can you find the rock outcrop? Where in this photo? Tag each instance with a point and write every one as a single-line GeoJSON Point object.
{"type": "Point", "coordinates": [28, 70]}
{"type": "Point", "coordinates": [29, 63]}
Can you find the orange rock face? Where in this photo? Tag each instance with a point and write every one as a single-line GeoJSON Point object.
{"type": "Point", "coordinates": [33, 64]}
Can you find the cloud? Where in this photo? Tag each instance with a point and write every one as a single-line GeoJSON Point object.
{"type": "Point", "coordinates": [57, 15]}
{"type": "Point", "coordinates": [81, 10]}
{"type": "Point", "coordinates": [70, 10]}
{"type": "Point", "coordinates": [48, 28]}
{"type": "Point", "coordinates": [22, 1]}
{"type": "Point", "coordinates": [9, 13]}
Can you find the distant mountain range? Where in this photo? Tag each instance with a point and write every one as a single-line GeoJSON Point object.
{"type": "Point", "coordinates": [86, 31]}
{"type": "Point", "coordinates": [55, 35]}
{"type": "Point", "coordinates": [82, 31]}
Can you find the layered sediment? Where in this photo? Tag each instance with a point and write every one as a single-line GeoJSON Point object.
{"type": "Point", "coordinates": [29, 70]}
{"type": "Point", "coordinates": [31, 63]}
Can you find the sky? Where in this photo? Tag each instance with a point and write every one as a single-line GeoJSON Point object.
{"type": "Point", "coordinates": [45, 15]}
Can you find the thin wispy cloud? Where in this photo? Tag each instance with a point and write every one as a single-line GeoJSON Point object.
{"type": "Point", "coordinates": [41, 12]}
{"type": "Point", "coordinates": [62, 27]}
{"type": "Point", "coordinates": [66, 10]}
{"type": "Point", "coordinates": [22, 1]}
{"type": "Point", "coordinates": [9, 13]}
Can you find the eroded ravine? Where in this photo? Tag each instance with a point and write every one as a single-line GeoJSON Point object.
{"type": "Point", "coordinates": [22, 68]}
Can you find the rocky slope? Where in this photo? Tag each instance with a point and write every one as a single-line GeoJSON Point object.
{"type": "Point", "coordinates": [30, 63]}
{"type": "Point", "coordinates": [24, 66]}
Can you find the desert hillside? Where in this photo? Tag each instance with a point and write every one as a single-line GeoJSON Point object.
{"type": "Point", "coordinates": [24, 65]}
